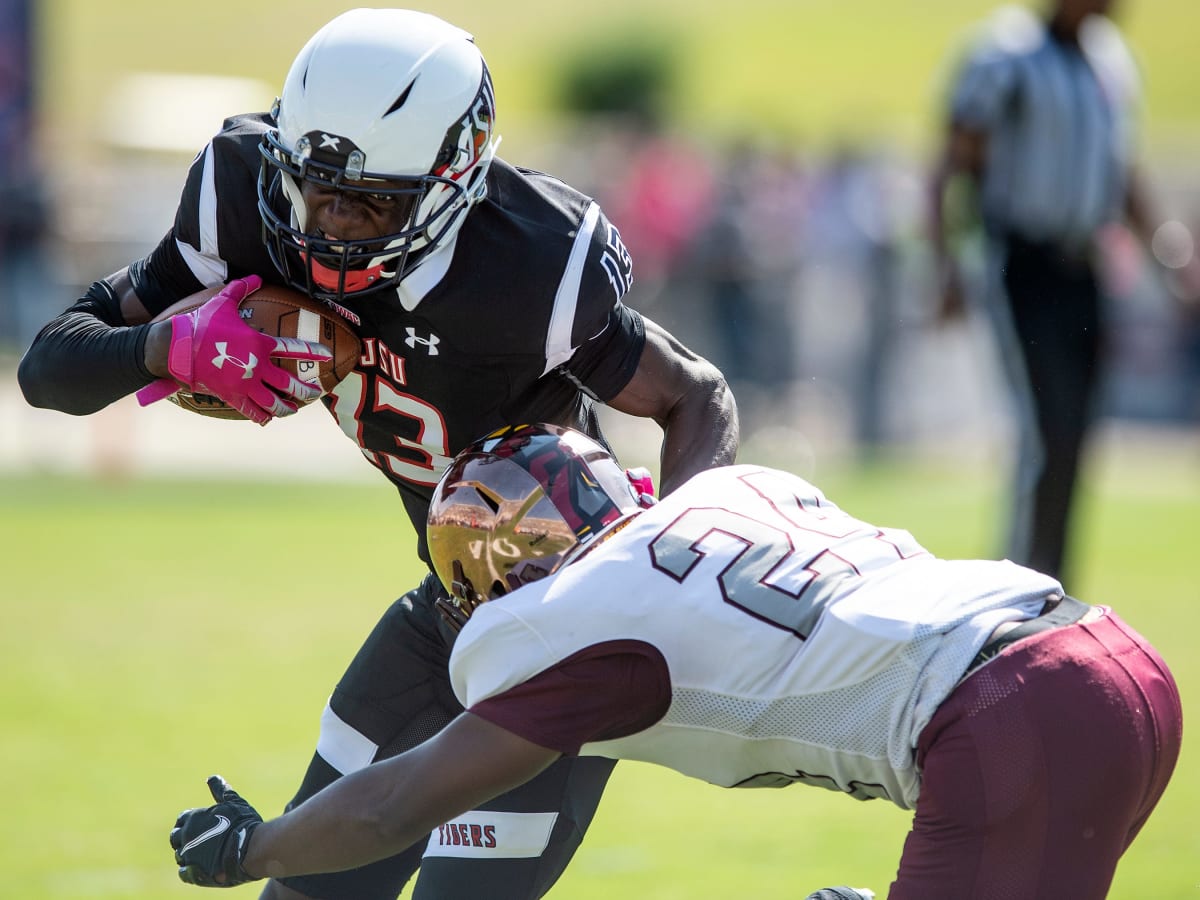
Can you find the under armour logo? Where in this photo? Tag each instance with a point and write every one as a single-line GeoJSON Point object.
{"type": "Point", "coordinates": [328, 141]}
{"type": "Point", "coordinates": [430, 342]}
{"type": "Point", "coordinates": [223, 357]}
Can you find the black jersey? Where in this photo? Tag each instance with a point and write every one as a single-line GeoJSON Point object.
{"type": "Point", "coordinates": [520, 319]}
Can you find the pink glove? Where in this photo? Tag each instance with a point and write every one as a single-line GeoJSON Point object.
{"type": "Point", "coordinates": [214, 352]}
{"type": "Point", "coordinates": [643, 483]}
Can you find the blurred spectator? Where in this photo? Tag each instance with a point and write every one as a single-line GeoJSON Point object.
{"type": "Point", "coordinates": [23, 210]}
{"type": "Point", "coordinates": [1040, 122]}
{"type": "Point", "coordinates": [745, 257]}
{"type": "Point", "coordinates": [1175, 247]}
{"type": "Point", "coordinates": [855, 223]}
{"type": "Point", "coordinates": [659, 187]}
{"type": "Point", "coordinates": [618, 85]}
{"type": "Point", "coordinates": [664, 198]}
{"type": "Point", "coordinates": [725, 262]}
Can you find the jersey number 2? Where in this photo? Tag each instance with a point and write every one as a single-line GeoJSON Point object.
{"type": "Point", "coordinates": [777, 557]}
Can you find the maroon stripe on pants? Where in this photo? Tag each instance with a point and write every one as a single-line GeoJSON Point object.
{"type": "Point", "coordinates": [1040, 769]}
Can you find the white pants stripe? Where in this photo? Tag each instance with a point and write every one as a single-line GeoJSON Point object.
{"type": "Point", "coordinates": [341, 746]}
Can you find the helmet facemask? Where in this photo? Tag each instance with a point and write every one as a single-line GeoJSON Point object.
{"type": "Point", "coordinates": [321, 266]}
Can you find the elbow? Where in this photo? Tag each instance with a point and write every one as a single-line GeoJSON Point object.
{"type": "Point", "coordinates": [377, 828]}
{"type": "Point", "coordinates": [386, 824]}
{"type": "Point", "coordinates": [33, 386]}
{"type": "Point", "coordinates": [706, 407]}
{"type": "Point", "coordinates": [42, 391]}
{"type": "Point", "coordinates": [719, 401]}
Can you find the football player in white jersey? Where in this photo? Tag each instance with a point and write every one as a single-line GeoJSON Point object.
{"type": "Point", "coordinates": [748, 632]}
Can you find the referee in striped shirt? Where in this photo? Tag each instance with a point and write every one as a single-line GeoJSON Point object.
{"type": "Point", "coordinates": [1040, 123]}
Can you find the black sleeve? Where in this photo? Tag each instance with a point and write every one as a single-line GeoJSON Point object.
{"type": "Point", "coordinates": [86, 358]}
{"type": "Point", "coordinates": [609, 336]}
{"type": "Point", "coordinates": [606, 363]}
{"type": "Point", "coordinates": [163, 277]}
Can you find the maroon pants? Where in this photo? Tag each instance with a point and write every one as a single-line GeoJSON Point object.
{"type": "Point", "coordinates": [1040, 768]}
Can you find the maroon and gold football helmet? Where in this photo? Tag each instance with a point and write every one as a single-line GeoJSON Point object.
{"type": "Point", "coordinates": [514, 505]}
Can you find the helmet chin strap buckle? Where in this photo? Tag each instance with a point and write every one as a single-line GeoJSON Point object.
{"type": "Point", "coordinates": [451, 613]}
{"type": "Point", "coordinates": [463, 600]}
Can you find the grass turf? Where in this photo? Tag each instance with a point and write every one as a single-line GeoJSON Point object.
{"type": "Point", "coordinates": [158, 631]}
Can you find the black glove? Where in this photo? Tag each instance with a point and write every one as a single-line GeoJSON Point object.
{"type": "Point", "coordinates": [211, 843]}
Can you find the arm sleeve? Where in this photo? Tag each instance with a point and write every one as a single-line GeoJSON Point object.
{"type": "Point", "coordinates": [606, 363]}
{"type": "Point", "coordinates": [984, 89]}
{"type": "Point", "coordinates": [163, 277]}
{"type": "Point", "coordinates": [89, 356]}
{"type": "Point", "coordinates": [606, 691]}
{"type": "Point", "coordinates": [85, 358]}
{"type": "Point", "coordinates": [217, 233]}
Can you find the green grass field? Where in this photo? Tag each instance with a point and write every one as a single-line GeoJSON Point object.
{"type": "Point", "coordinates": [155, 632]}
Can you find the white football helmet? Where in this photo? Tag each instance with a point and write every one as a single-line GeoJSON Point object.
{"type": "Point", "coordinates": [377, 95]}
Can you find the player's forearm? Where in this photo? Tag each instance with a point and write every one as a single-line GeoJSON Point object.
{"type": "Point", "coordinates": [388, 806]}
{"type": "Point", "coordinates": [355, 821]}
{"type": "Point", "coordinates": [700, 432]}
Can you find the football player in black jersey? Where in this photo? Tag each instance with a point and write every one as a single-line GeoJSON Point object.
{"type": "Point", "coordinates": [484, 295]}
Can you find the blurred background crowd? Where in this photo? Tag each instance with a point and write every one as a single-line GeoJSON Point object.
{"type": "Point", "coordinates": [807, 277]}
{"type": "Point", "coordinates": [800, 265]}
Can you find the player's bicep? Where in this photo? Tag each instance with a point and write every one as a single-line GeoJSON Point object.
{"type": "Point", "coordinates": [667, 372]}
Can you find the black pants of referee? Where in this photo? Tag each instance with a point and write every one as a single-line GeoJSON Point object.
{"type": "Point", "coordinates": [1054, 301]}
{"type": "Point", "coordinates": [395, 694]}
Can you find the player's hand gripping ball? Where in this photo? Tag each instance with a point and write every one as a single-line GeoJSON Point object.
{"type": "Point", "coordinates": [248, 350]}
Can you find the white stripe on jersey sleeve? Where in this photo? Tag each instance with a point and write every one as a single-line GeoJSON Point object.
{"type": "Point", "coordinates": [562, 319]}
{"type": "Point", "coordinates": [206, 264]}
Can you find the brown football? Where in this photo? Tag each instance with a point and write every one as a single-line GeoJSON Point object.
{"type": "Point", "coordinates": [283, 312]}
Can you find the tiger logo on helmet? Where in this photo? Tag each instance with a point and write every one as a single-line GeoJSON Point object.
{"type": "Point", "coordinates": [516, 505]}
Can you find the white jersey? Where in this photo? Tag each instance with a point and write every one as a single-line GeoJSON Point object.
{"type": "Point", "coordinates": [802, 644]}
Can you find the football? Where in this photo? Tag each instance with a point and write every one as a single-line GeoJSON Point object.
{"type": "Point", "coordinates": [283, 312]}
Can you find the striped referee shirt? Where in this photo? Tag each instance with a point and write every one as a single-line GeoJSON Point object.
{"type": "Point", "coordinates": [1058, 118]}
